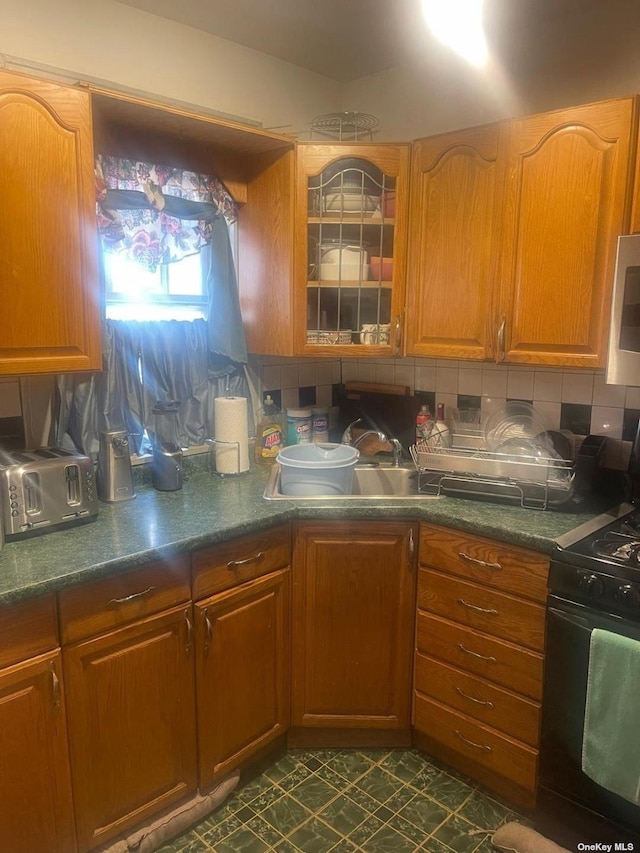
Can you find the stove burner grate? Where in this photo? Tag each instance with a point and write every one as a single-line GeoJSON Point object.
{"type": "Point", "coordinates": [621, 548]}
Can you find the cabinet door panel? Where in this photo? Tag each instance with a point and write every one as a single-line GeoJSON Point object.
{"type": "Point", "coordinates": [452, 211]}
{"type": "Point", "coordinates": [353, 626]}
{"type": "Point", "coordinates": [565, 185]}
{"type": "Point", "coordinates": [131, 724]}
{"type": "Point", "coordinates": [35, 785]}
{"type": "Point", "coordinates": [242, 673]}
{"type": "Point", "coordinates": [49, 278]}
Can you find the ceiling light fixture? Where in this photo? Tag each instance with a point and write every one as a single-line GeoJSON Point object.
{"type": "Point", "coordinates": [458, 24]}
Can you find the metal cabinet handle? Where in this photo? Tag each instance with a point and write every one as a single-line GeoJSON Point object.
{"type": "Point", "coordinates": [412, 546]}
{"type": "Point", "coordinates": [131, 597]}
{"type": "Point", "coordinates": [464, 695]}
{"type": "Point", "coordinates": [236, 564]}
{"type": "Point", "coordinates": [488, 658]}
{"type": "Point", "coordinates": [476, 562]}
{"type": "Point", "coordinates": [189, 625]}
{"type": "Point", "coordinates": [503, 323]}
{"type": "Point", "coordinates": [208, 632]}
{"type": "Point", "coordinates": [482, 746]}
{"type": "Point", "coordinates": [488, 610]}
{"type": "Point", "coordinates": [397, 335]}
{"type": "Point", "coordinates": [55, 688]}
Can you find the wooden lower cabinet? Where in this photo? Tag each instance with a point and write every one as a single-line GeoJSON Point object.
{"type": "Point", "coordinates": [242, 673]}
{"type": "Point", "coordinates": [37, 813]}
{"type": "Point", "coordinates": [352, 627]}
{"type": "Point", "coordinates": [478, 663]}
{"type": "Point", "coordinates": [132, 725]}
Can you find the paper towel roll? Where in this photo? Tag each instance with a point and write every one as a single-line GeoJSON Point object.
{"type": "Point", "coordinates": [231, 425]}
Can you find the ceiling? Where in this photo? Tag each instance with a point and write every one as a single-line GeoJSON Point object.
{"type": "Point", "coordinates": [348, 39]}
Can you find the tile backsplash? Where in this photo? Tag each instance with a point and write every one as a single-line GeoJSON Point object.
{"type": "Point", "coordinates": [576, 400]}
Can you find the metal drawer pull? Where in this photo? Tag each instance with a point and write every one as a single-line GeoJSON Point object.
{"type": "Point", "coordinates": [475, 607]}
{"type": "Point", "coordinates": [131, 597]}
{"type": "Point", "coordinates": [464, 695]}
{"type": "Point", "coordinates": [208, 629]}
{"type": "Point", "coordinates": [489, 658]}
{"type": "Point", "coordinates": [476, 562]}
{"type": "Point", "coordinates": [189, 627]}
{"type": "Point", "coordinates": [55, 686]}
{"type": "Point", "coordinates": [235, 564]}
{"type": "Point", "coordinates": [482, 746]}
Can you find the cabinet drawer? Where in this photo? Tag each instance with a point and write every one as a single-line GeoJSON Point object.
{"type": "Point", "coordinates": [494, 612]}
{"type": "Point", "coordinates": [110, 602]}
{"type": "Point", "coordinates": [230, 563]}
{"type": "Point", "coordinates": [494, 564]}
{"type": "Point", "coordinates": [27, 628]}
{"type": "Point", "coordinates": [501, 709]}
{"type": "Point", "coordinates": [501, 662]}
{"type": "Point", "coordinates": [477, 743]}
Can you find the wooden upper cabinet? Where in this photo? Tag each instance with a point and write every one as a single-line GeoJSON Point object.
{"type": "Point", "coordinates": [50, 319]}
{"type": "Point", "coordinates": [453, 183]}
{"type": "Point", "coordinates": [564, 181]}
{"type": "Point", "coordinates": [351, 211]}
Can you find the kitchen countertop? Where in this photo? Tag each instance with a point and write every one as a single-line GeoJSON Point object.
{"type": "Point", "coordinates": [211, 509]}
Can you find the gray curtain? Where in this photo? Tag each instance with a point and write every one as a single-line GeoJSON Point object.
{"type": "Point", "coordinates": [189, 361]}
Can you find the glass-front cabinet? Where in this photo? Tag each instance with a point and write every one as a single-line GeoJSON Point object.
{"type": "Point", "coordinates": [350, 255]}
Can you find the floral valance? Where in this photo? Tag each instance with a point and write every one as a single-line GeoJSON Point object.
{"type": "Point", "coordinates": [157, 214]}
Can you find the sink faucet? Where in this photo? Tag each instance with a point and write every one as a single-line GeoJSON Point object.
{"type": "Point", "coordinates": [396, 447]}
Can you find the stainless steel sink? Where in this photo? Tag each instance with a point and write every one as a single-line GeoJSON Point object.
{"type": "Point", "coordinates": [370, 482]}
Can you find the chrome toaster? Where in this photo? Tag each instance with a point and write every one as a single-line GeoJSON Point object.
{"type": "Point", "coordinates": [44, 490]}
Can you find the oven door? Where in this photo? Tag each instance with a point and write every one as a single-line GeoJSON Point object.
{"type": "Point", "coordinates": [568, 638]}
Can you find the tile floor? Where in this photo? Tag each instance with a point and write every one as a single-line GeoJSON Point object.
{"type": "Point", "coordinates": [343, 801]}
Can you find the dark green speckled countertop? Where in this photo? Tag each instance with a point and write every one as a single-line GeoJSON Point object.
{"type": "Point", "coordinates": [211, 509]}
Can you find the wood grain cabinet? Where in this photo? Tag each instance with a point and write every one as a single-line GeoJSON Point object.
{"type": "Point", "coordinates": [129, 676]}
{"type": "Point", "coordinates": [35, 784]}
{"type": "Point", "coordinates": [452, 234]}
{"type": "Point", "coordinates": [515, 224]}
{"type": "Point", "coordinates": [352, 627]}
{"type": "Point", "coordinates": [478, 666]}
{"type": "Point", "coordinates": [351, 212]}
{"type": "Point", "coordinates": [243, 649]}
{"type": "Point", "coordinates": [50, 322]}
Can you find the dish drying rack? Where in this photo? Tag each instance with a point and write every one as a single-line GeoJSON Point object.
{"type": "Point", "coordinates": [469, 469]}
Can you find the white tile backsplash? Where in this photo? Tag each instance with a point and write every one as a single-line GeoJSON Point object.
{"type": "Point", "coordinates": [547, 386]}
{"type": "Point", "coordinates": [520, 384]}
{"type": "Point", "coordinates": [606, 420]}
{"type": "Point", "coordinates": [10, 404]}
{"type": "Point", "coordinates": [494, 383]}
{"type": "Point", "coordinates": [607, 395]}
{"type": "Point", "coordinates": [470, 380]}
{"type": "Point", "coordinates": [577, 387]}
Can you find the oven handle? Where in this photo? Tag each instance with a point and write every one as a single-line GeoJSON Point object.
{"type": "Point", "coordinates": [572, 619]}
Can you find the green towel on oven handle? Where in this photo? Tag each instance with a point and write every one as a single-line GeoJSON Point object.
{"type": "Point", "coordinates": [610, 742]}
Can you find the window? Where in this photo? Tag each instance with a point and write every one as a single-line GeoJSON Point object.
{"type": "Point", "coordinates": [175, 291]}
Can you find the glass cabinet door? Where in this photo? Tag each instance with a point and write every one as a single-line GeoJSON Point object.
{"type": "Point", "coordinates": [353, 249]}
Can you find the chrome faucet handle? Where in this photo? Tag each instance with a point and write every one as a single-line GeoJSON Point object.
{"type": "Point", "coordinates": [397, 451]}
{"type": "Point", "coordinates": [347, 436]}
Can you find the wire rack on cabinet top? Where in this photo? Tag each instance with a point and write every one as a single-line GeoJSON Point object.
{"type": "Point", "coordinates": [345, 126]}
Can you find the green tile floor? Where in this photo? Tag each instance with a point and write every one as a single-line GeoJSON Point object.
{"type": "Point", "coordinates": [376, 801]}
